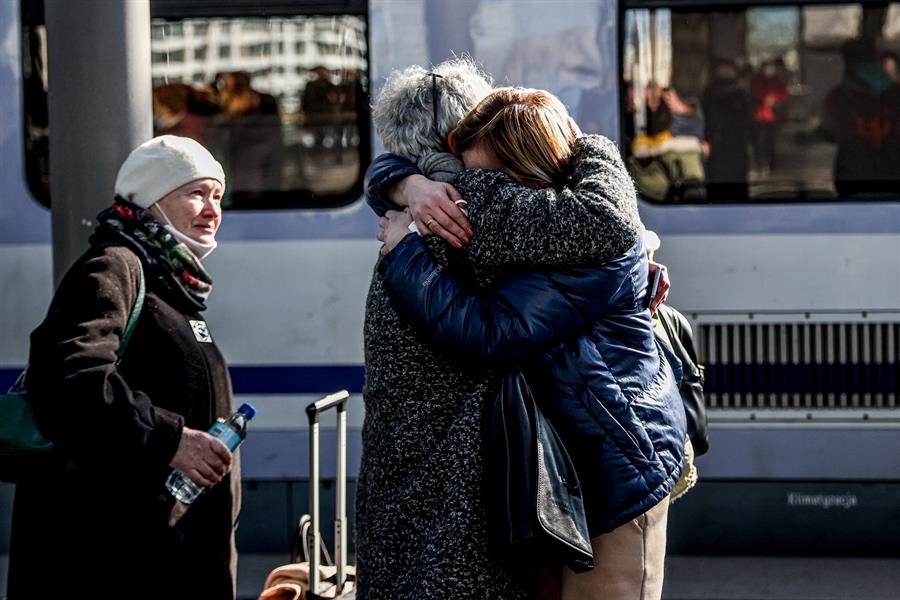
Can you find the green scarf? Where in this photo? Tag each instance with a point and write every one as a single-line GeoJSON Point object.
{"type": "Point", "coordinates": [140, 229]}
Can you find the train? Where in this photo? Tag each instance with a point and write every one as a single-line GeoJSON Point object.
{"type": "Point", "coordinates": [790, 278]}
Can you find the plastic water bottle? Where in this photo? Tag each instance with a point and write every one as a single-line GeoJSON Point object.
{"type": "Point", "coordinates": [231, 430]}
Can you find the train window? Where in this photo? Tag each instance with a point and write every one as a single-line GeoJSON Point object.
{"type": "Point", "coordinates": [34, 92]}
{"type": "Point", "coordinates": [282, 101]}
{"type": "Point", "coordinates": [726, 102]}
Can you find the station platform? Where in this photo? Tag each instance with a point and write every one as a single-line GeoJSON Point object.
{"type": "Point", "coordinates": [780, 578]}
{"type": "Point", "coordinates": [715, 578]}
{"type": "Point", "coordinates": [700, 577]}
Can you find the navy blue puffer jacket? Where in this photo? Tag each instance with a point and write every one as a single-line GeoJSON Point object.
{"type": "Point", "coordinates": [585, 335]}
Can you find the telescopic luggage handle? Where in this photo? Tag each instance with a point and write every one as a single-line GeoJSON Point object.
{"type": "Point", "coordinates": [338, 400]}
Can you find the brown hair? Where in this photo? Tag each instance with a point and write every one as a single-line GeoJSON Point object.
{"type": "Point", "coordinates": [237, 96]}
{"type": "Point", "coordinates": [526, 130]}
{"type": "Point", "coordinates": [172, 98]}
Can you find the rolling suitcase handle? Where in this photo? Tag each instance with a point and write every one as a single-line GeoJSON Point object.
{"type": "Point", "coordinates": [339, 400]}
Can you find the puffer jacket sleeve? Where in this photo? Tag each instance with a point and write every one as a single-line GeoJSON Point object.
{"type": "Point", "coordinates": [591, 221]}
{"type": "Point", "coordinates": [385, 169]}
{"type": "Point", "coordinates": [524, 313]}
{"type": "Point", "coordinates": [81, 401]}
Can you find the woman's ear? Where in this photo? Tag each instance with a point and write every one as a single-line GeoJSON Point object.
{"type": "Point", "coordinates": [451, 142]}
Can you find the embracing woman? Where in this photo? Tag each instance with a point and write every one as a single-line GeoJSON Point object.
{"type": "Point", "coordinates": [421, 517]}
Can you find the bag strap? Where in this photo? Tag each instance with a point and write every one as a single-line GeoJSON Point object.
{"type": "Point", "coordinates": [667, 326]}
{"type": "Point", "coordinates": [19, 385]}
{"type": "Point", "coordinates": [690, 368]}
{"type": "Point", "coordinates": [135, 313]}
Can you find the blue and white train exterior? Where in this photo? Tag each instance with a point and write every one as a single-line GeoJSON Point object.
{"type": "Point", "coordinates": [765, 285]}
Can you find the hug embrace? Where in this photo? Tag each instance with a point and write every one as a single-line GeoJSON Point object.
{"type": "Point", "coordinates": [537, 271]}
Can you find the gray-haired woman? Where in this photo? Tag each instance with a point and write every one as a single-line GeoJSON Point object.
{"type": "Point", "coordinates": [421, 514]}
{"type": "Point", "coordinates": [96, 521]}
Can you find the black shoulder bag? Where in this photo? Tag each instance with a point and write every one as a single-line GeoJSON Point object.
{"type": "Point", "coordinates": [23, 448]}
{"type": "Point", "coordinates": [681, 341]}
{"type": "Point", "coordinates": [536, 511]}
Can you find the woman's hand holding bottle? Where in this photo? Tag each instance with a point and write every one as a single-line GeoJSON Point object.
{"type": "Point", "coordinates": [202, 457]}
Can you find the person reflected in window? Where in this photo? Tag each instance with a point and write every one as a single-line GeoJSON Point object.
{"type": "Point", "coordinates": [351, 123]}
{"type": "Point", "coordinates": [744, 73]}
{"type": "Point", "coordinates": [628, 124]}
{"type": "Point", "coordinates": [320, 94]}
{"type": "Point", "coordinates": [34, 87]}
{"type": "Point", "coordinates": [659, 117]}
{"type": "Point", "coordinates": [320, 103]}
{"type": "Point", "coordinates": [248, 138]}
{"type": "Point", "coordinates": [180, 109]}
{"type": "Point", "coordinates": [351, 91]}
{"type": "Point", "coordinates": [862, 116]}
{"type": "Point", "coordinates": [667, 161]}
{"type": "Point", "coordinates": [769, 92]}
{"type": "Point", "coordinates": [726, 108]}
{"type": "Point", "coordinates": [890, 62]}
{"type": "Point", "coordinates": [685, 119]}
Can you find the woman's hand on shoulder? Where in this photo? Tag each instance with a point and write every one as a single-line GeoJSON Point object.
{"type": "Point", "coordinates": [662, 290]}
{"type": "Point", "coordinates": [394, 227]}
{"type": "Point", "coordinates": [435, 207]}
{"type": "Point", "coordinates": [200, 456]}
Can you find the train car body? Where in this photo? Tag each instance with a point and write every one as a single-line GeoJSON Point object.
{"type": "Point", "coordinates": [793, 293]}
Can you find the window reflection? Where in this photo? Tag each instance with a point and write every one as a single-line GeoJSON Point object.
{"type": "Point", "coordinates": [763, 103]}
{"type": "Point", "coordinates": [34, 86]}
{"type": "Point", "coordinates": [282, 103]}
{"type": "Point", "coordinates": [286, 115]}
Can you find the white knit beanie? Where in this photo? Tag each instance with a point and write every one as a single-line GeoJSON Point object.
{"type": "Point", "coordinates": [162, 165]}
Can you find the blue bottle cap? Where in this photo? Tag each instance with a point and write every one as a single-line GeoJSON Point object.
{"type": "Point", "coordinates": [248, 410]}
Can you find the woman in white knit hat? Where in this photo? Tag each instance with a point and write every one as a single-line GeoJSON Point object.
{"type": "Point", "coordinates": [123, 411]}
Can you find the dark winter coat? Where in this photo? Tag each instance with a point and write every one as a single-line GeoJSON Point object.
{"type": "Point", "coordinates": [94, 524]}
{"type": "Point", "coordinates": [602, 377]}
{"type": "Point", "coordinates": [726, 109]}
{"type": "Point", "coordinates": [862, 116]}
{"type": "Point", "coordinates": [421, 520]}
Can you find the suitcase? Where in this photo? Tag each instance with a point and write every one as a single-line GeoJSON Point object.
{"type": "Point", "coordinates": [307, 578]}
{"type": "Point", "coordinates": [341, 577]}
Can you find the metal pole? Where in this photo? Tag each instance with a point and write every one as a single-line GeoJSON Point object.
{"type": "Point", "coordinates": [314, 557]}
{"type": "Point", "coordinates": [99, 102]}
{"type": "Point", "coordinates": [340, 520]}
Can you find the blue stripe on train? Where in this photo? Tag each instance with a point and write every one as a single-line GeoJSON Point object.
{"type": "Point", "coordinates": [297, 379]}
{"type": "Point", "coordinates": [272, 379]}
{"type": "Point", "coordinates": [8, 377]}
{"type": "Point", "coordinates": [874, 378]}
